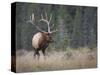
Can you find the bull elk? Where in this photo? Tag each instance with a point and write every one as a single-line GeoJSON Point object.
{"type": "Point", "coordinates": [41, 39]}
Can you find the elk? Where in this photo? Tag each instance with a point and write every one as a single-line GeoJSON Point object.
{"type": "Point", "coordinates": [41, 39]}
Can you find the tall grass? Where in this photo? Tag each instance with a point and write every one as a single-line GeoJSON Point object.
{"type": "Point", "coordinates": [56, 60]}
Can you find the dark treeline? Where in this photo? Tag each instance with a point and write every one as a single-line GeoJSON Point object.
{"type": "Point", "coordinates": [76, 25]}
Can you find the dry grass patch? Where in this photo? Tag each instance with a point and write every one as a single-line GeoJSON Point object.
{"type": "Point", "coordinates": [61, 60]}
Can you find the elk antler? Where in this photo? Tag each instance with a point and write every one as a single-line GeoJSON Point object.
{"type": "Point", "coordinates": [32, 21]}
{"type": "Point", "coordinates": [46, 20]}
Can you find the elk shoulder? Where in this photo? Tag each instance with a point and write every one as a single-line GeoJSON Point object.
{"type": "Point", "coordinates": [35, 40]}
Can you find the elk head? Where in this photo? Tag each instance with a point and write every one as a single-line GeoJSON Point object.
{"type": "Point", "coordinates": [41, 39]}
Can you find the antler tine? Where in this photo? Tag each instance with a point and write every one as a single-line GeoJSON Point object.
{"type": "Point", "coordinates": [52, 26]}
{"type": "Point", "coordinates": [49, 23]}
{"type": "Point", "coordinates": [50, 18]}
{"type": "Point", "coordinates": [49, 28]}
{"type": "Point", "coordinates": [32, 20]}
{"type": "Point", "coordinates": [42, 19]}
{"type": "Point", "coordinates": [46, 20]}
{"type": "Point", "coordinates": [54, 31]}
{"type": "Point", "coordinates": [41, 16]}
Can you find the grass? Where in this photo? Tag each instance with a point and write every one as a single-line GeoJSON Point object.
{"type": "Point", "coordinates": [57, 60]}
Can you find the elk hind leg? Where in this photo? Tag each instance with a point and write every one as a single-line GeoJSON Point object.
{"type": "Point", "coordinates": [43, 51]}
{"type": "Point", "coordinates": [34, 54]}
{"type": "Point", "coordinates": [38, 54]}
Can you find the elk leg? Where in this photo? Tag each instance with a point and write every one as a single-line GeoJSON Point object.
{"type": "Point", "coordinates": [34, 54]}
{"type": "Point", "coordinates": [38, 54]}
{"type": "Point", "coordinates": [43, 51]}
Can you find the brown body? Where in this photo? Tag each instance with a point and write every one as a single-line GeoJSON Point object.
{"type": "Point", "coordinates": [41, 41]}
